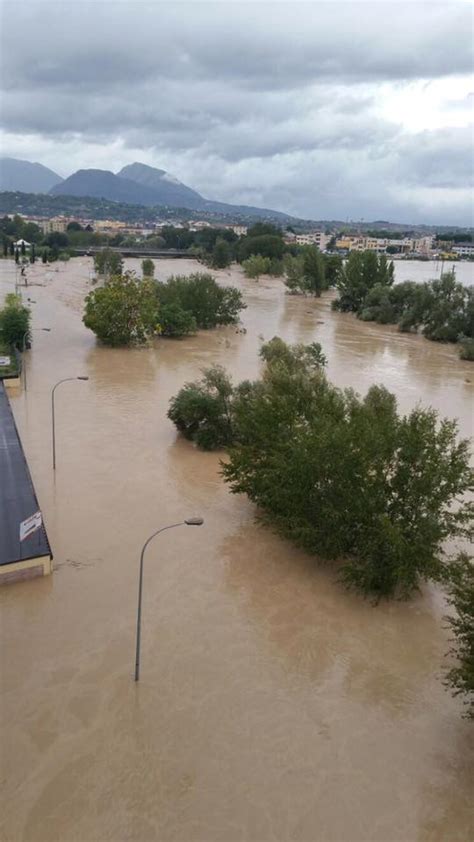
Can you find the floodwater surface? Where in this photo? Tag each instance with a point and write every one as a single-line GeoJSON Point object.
{"type": "Point", "coordinates": [273, 705]}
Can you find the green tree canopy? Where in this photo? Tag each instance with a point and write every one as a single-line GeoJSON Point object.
{"type": "Point", "coordinates": [176, 322]}
{"type": "Point", "coordinates": [124, 311]}
{"type": "Point", "coordinates": [148, 267]}
{"type": "Point", "coordinates": [461, 596]}
{"type": "Point", "coordinates": [267, 245]}
{"type": "Point", "coordinates": [177, 238]}
{"type": "Point", "coordinates": [221, 254]}
{"type": "Point", "coordinates": [201, 411]}
{"type": "Point", "coordinates": [348, 478]}
{"type": "Point", "coordinates": [108, 262]}
{"type": "Point", "coordinates": [361, 271]}
{"type": "Point", "coordinates": [15, 321]}
{"type": "Point", "coordinates": [256, 265]}
{"type": "Point", "coordinates": [200, 295]}
{"type": "Point", "coordinates": [56, 239]}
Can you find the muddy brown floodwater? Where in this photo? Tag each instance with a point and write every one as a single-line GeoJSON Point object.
{"type": "Point", "coordinates": [272, 705]}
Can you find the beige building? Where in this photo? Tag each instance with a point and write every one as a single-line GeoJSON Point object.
{"type": "Point", "coordinates": [57, 223]}
{"type": "Point", "coordinates": [313, 238]}
{"type": "Point", "coordinates": [406, 245]}
{"type": "Point", "coordinates": [105, 225]}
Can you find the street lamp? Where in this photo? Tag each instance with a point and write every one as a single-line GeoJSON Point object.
{"type": "Point", "coordinates": [23, 346]}
{"type": "Point", "coordinates": [64, 380]}
{"type": "Point", "coordinates": [190, 521]}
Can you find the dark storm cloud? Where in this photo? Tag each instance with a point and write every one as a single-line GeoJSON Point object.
{"type": "Point", "coordinates": [245, 95]}
{"type": "Point", "coordinates": [262, 46]}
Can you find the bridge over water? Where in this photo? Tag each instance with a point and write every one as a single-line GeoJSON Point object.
{"type": "Point", "coordinates": [137, 252]}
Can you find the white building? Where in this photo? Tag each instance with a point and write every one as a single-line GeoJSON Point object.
{"type": "Point", "coordinates": [464, 249]}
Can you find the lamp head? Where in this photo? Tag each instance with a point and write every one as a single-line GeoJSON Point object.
{"type": "Point", "coordinates": [194, 521]}
{"type": "Point", "coordinates": [83, 378]}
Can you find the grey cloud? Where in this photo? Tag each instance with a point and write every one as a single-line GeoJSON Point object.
{"type": "Point", "coordinates": [260, 46]}
{"type": "Point", "coordinates": [442, 158]}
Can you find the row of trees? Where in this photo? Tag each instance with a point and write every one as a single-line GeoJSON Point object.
{"type": "Point", "coordinates": [128, 310]}
{"type": "Point", "coordinates": [348, 478]}
{"type": "Point", "coordinates": [442, 309]}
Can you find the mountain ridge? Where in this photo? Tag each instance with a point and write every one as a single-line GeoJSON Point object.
{"type": "Point", "coordinates": [28, 176]}
{"type": "Point", "coordinates": [136, 184]}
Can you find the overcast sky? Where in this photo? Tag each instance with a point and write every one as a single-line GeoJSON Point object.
{"type": "Point", "coordinates": [323, 110]}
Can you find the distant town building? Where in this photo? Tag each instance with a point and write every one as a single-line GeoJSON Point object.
{"type": "Point", "coordinates": [381, 245]}
{"type": "Point", "coordinates": [464, 249]}
{"type": "Point", "coordinates": [313, 238]}
{"type": "Point", "coordinates": [56, 223]}
{"type": "Point", "coordinates": [106, 225]}
{"type": "Point", "coordinates": [197, 225]}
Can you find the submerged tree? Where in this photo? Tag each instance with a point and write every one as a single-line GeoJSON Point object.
{"type": "Point", "coordinates": [348, 478]}
{"type": "Point", "coordinates": [221, 254]}
{"type": "Point", "coordinates": [200, 295]}
{"type": "Point", "coordinates": [176, 322]}
{"type": "Point", "coordinates": [148, 268]}
{"type": "Point", "coordinates": [124, 311]}
{"type": "Point", "coordinates": [201, 411]}
{"type": "Point", "coordinates": [461, 596]}
{"type": "Point", "coordinates": [256, 265]}
{"type": "Point", "coordinates": [362, 271]}
{"type": "Point", "coordinates": [313, 270]}
{"type": "Point", "coordinates": [306, 271]}
{"type": "Point", "coordinates": [15, 320]}
{"type": "Point", "coordinates": [294, 273]}
{"type": "Point", "coordinates": [108, 262]}
{"type": "Point", "coordinates": [345, 477]}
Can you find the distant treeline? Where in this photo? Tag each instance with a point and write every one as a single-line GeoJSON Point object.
{"type": "Point", "coordinates": [41, 204]}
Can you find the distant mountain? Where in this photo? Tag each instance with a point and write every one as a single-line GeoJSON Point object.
{"type": "Point", "coordinates": [139, 184]}
{"type": "Point", "coordinates": [26, 176]}
{"type": "Point", "coordinates": [168, 189]}
{"type": "Point", "coordinates": [102, 184]}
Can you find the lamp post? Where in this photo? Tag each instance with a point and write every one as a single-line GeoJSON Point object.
{"type": "Point", "coordinates": [190, 521]}
{"type": "Point", "coordinates": [64, 380]}
{"type": "Point", "coordinates": [23, 349]}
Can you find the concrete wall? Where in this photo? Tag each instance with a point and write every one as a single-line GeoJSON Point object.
{"type": "Point", "coordinates": [27, 569]}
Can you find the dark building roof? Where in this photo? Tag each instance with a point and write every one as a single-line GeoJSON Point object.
{"type": "Point", "coordinates": [17, 496]}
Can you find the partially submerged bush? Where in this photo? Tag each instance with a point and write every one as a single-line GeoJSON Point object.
{"type": "Point", "coordinates": [256, 265]}
{"type": "Point", "coordinates": [201, 411]}
{"type": "Point", "coordinates": [176, 322]}
{"type": "Point", "coordinates": [201, 296]}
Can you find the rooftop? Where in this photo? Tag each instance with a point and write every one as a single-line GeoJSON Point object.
{"type": "Point", "coordinates": [18, 500]}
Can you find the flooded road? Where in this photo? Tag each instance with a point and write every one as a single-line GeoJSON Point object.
{"type": "Point", "coordinates": [426, 270]}
{"type": "Point", "coordinates": [272, 704]}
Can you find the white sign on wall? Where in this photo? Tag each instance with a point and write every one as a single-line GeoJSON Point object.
{"type": "Point", "coordinates": [30, 525]}
{"type": "Point", "coordinates": [4, 361]}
